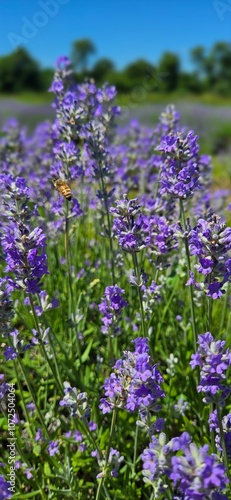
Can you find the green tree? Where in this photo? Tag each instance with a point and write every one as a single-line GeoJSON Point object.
{"type": "Point", "coordinates": [214, 67]}
{"type": "Point", "coordinates": [81, 51]}
{"type": "Point", "coordinates": [221, 59]}
{"type": "Point", "coordinates": [169, 70]}
{"type": "Point", "coordinates": [18, 72]}
{"type": "Point", "coordinates": [102, 68]}
{"type": "Point", "coordinates": [198, 57]}
{"type": "Point", "coordinates": [138, 71]}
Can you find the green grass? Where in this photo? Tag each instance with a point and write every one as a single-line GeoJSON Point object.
{"type": "Point", "coordinates": [163, 98]}
{"type": "Point", "coordinates": [123, 99]}
{"type": "Point", "coordinates": [30, 97]}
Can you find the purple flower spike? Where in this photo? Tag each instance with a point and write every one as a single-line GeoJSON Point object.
{"type": "Point", "coordinates": [210, 241]}
{"type": "Point", "coordinates": [4, 489]}
{"type": "Point", "coordinates": [213, 361]}
{"type": "Point", "coordinates": [180, 171]}
{"type": "Point", "coordinates": [136, 383]}
{"type": "Point", "coordinates": [111, 307]}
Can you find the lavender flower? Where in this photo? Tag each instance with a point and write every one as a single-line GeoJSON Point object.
{"type": "Point", "coordinates": [128, 224]}
{"type": "Point", "coordinates": [135, 385]}
{"type": "Point", "coordinates": [181, 406]}
{"type": "Point", "coordinates": [210, 241]}
{"type": "Point", "coordinates": [4, 387]}
{"type": "Point", "coordinates": [112, 463]}
{"type": "Point", "coordinates": [151, 296]}
{"type": "Point", "coordinates": [17, 345]}
{"type": "Point", "coordinates": [213, 362]}
{"type": "Point", "coordinates": [156, 459]}
{"type": "Point", "coordinates": [53, 448]}
{"type": "Point", "coordinates": [24, 247]}
{"type": "Point", "coordinates": [45, 303]}
{"type": "Point", "coordinates": [226, 425]}
{"type": "Point", "coordinates": [77, 402]}
{"type": "Point", "coordinates": [180, 174]}
{"type": "Point", "coordinates": [4, 489]}
{"type": "Point", "coordinates": [111, 307]}
{"type": "Point", "coordinates": [194, 472]}
{"type": "Point", "coordinates": [160, 238]}
{"type": "Point", "coordinates": [169, 120]}
{"type": "Point", "coordinates": [6, 308]}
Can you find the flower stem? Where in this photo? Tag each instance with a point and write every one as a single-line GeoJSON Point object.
{"type": "Point", "coordinates": [189, 270]}
{"type": "Point", "coordinates": [33, 397]}
{"type": "Point", "coordinates": [56, 373]}
{"type": "Point", "coordinates": [71, 303]}
{"type": "Point", "coordinates": [219, 417]}
{"type": "Point", "coordinates": [101, 481]}
{"type": "Point", "coordinates": [108, 224]}
{"type": "Point", "coordinates": [22, 399]}
{"type": "Point", "coordinates": [224, 309]}
{"type": "Point", "coordinates": [209, 316]}
{"type": "Point", "coordinates": [137, 275]}
{"type": "Point", "coordinates": [135, 451]}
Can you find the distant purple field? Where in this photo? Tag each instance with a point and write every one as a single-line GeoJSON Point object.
{"type": "Point", "coordinates": [202, 118]}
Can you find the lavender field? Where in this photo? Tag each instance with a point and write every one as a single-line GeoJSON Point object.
{"type": "Point", "coordinates": [115, 301]}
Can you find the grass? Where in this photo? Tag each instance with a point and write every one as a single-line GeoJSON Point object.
{"type": "Point", "coordinates": [208, 98]}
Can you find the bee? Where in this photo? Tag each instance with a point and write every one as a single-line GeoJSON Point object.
{"type": "Point", "coordinates": [62, 187]}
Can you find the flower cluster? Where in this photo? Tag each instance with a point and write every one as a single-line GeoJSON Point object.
{"type": "Point", "coordinates": [160, 238]}
{"type": "Point", "coordinates": [112, 462]}
{"type": "Point", "coordinates": [76, 401]}
{"type": "Point", "coordinates": [24, 248]}
{"type": "Point", "coordinates": [150, 295]}
{"type": "Point", "coordinates": [213, 361]}
{"type": "Point", "coordinates": [128, 224]}
{"type": "Point", "coordinates": [180, 174]}
{"type": "Point", "coordinates": [111, 307]}
{"type": "Point", "coordinates": [226, 426]}
{"type": "Point", "coordinates": [136, 383]}
{"type": "Point", "coordinates": [6, 308]}
{"type": "Point", "coordinates": [210, 241]}
{"type": "Point", "coordinates": [4, 489]}
{"type": "Point", "coordinates": [195, 473]}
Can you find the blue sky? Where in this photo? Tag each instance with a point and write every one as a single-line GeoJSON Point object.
{"type": "Point", "coordinates": [122, 30]}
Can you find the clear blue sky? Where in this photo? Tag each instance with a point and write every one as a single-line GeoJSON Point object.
{"type": "Point", "coordinates": [122, 30]}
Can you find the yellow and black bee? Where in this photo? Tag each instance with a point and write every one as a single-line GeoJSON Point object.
{"type": "Point", "coordinates": [62, 187]}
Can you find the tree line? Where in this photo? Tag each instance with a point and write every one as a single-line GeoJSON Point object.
{"type": "Point", "coordinates": [211, 71]}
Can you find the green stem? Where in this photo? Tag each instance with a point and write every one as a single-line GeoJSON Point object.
{"type": "Point", "coordinates": [166, 309]}
{"type": "Point", "coordinates": [219, 417]}
{"type": "Point", "coordinates": [101, 481]}
{"type": "Point", "coordinates": [33, 397]}
{"type": "Point", "coordinates": [71, 303]}
{"type": "Point", "coordinates": [137, 275]}
{"type": "Point", "coordinates": [210, 310]}
{"type": "Point", "coordinates": [56, 373]}
{"type": "Point", "coordinates": [135, 451]}
{"type": "Point", "coordinates": [224, 310]}
{"type": "Point", "coordinates": [212, 433]}
{"type": "Point", "coordinates": [190, 286]}
{"type": "Point", "coordinates": [22, 399]}
{"type": "Point", "coordinates": [109, 226]}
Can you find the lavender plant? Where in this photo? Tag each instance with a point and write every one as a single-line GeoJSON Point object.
{"type": "Point", "coordinates": [104, 390]}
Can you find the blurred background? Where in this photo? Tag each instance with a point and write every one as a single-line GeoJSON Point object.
{"type": "Point", "coordinates": [156, 52]}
